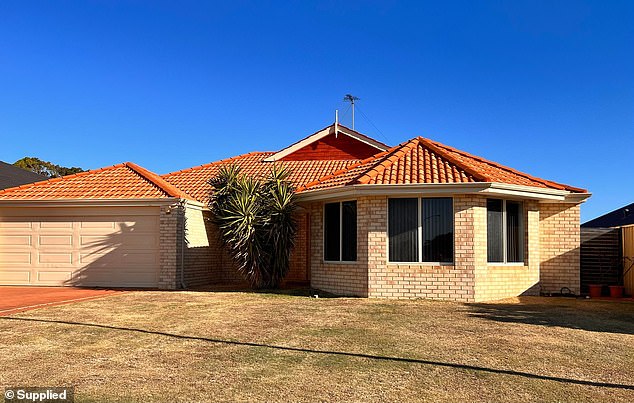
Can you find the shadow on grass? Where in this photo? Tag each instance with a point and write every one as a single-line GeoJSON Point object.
{"type": "Point", "coordinates": [338, 353]}
{"type": "Point", "coordinates": [610, 317]}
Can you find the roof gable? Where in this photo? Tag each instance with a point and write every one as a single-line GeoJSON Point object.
{"type": "Point", "coordinates": [123, 181]}
{"type": "Point", "coordinates": [334, 142]}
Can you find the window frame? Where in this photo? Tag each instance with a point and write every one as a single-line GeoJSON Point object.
{"type": "Point", "coordinates": [419, 246]}
{"type": "Point", "coordinates": [522, 235]}
{"type": "Point", "coordinates": [340, 261]}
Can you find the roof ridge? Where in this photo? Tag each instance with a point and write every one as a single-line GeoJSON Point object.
{"type": "Point", "coordinates": [209, 164]}
{"type": "Point", "coordinates": [397, 153]}
{"type": "Point", "coordinates": [59, 178]}
{"type": "Point", "coordinates": [354, 165]}
{"type": "Point", "coordinates": [560, 186]}
{"type": "Point", "coordinates": [157, 181]}
{"type": "Point", "coordinates": [437, 148]}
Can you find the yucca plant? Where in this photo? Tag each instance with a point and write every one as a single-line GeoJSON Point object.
{"type": "Point", "coordinates": [256, 223]}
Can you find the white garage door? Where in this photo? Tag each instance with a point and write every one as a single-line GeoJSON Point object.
{"type": "Point", "coordinates": [102, 247]}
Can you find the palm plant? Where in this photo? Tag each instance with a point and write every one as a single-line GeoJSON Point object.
{"type": "Point", "coordinates": [256, 223]}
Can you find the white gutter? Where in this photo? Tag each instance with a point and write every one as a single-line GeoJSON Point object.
{"type": "Point", "coordinates": [487, 188]}
{"type": "Point", "coordinates": [93, 202]}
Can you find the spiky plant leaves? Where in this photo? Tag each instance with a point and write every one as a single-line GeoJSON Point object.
{"type": "Point", "coordinates": [256, 224]}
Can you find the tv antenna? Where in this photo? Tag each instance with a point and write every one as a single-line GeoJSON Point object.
{"type": "Point", "coordinates": [352, 99]}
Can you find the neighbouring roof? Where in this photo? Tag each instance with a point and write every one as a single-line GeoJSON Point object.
{"type": "Point", "coordinates": [421, 160]}
{"type": "Point", "coordinates": [123, 181]}
{"type": "Point", "coordinates": [617, 218]}
{"type": "Point", "coordinates": [11, 176]}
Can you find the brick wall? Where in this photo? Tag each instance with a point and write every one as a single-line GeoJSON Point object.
{"type": "Point", "coordinates": [560, 241]}
{"type": "Point", "coordinates": [341, 278]}
{"type": "Point", "coordinates": [497, 281]}
{"type": "Point", "coordinates": [170, 240]}
{"type": "Point", "coordinates": [197, 259]}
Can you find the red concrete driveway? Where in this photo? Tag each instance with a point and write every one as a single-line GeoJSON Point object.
{"type": "Point", "coordinates": [18, 299]}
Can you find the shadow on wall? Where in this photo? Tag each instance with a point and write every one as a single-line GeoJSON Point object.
{"type": "Point", "coordinates": [126, 257]}
{"type": "Point", "coordinates": [560, 272]}
{"type": "Point", "coordinates": [611, 317]}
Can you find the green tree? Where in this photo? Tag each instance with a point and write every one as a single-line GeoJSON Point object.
{"type": "Point", "coordinates": [256, 223]}
{"type": "Point", "coordinates": [45, 168]}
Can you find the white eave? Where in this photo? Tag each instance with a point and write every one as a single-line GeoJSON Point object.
{"type": "Point", "coordinates": [437, 189]}
{"type": "Point", "coordinates": [95, 202]}
{"type": "Point", "coordinates": [320, 135]}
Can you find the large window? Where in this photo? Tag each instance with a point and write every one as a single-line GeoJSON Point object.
{"type": "Point", "coordinates": [505, 231]}
{"type": "Point", "coordinates": [420, 230]}
{"type": "Point", "coordinates": [340, 231]}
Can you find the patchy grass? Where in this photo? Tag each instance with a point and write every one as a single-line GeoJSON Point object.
{"type": "Point", "coordinates": [224, 346]}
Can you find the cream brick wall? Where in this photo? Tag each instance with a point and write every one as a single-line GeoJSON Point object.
{"type": "Point", "coordinates": [197, 259]}
{"type": "Point", "coordinates": [560, 242]}
{"type": "Point", "coordinates": [171, 232]}
{"type": "Point", "coordinates": [497, 281]}
{"type": "Point", "coordinates": [341, 278]}
{"type": "Point", "coordinates": [469, 279]}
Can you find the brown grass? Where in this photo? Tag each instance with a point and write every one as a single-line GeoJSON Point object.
{"type": "Point", "coordinates": [186, 346]}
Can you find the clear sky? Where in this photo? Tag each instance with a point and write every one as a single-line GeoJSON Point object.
{"type": "Point", "coordinates": [546, 87]}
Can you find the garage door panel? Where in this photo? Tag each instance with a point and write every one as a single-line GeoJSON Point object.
{"type": "Point", "coordinates": [13, 224]}
{"type": "Point", "coordinates": [14, 258]}
{"type": "Point", "coordinates": [55, 277]}
{"type": "Point", "coordinates": [16, 277]}
{"type": "Point", "coordinates": [15, 240]}
{"type": "Point", "coordinates": [56, 257]}
{"type": "Point", "coordinates": [56, 240]}
{"type": "Point", "coordinates": [56, 224]}
{"type": "Point", "coordinates": [91, 250]}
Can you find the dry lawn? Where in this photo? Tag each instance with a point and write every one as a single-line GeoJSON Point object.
{"type": "Point", "coordinates": [203, 346]}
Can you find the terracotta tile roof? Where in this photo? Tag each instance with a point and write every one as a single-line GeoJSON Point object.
{"type": "Point", "coordinates": [123, 181]}
{"type": "Point", "coordinates": [422, 160]}
{"type": "Point", "coordinates": [195, 180]}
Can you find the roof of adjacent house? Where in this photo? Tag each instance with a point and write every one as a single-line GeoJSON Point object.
{"type": "Point", "coordinates": [616, 218]}
{"type": "Point", "coordinates": [11, 176]}
{"type": "Point", "coordinates": [123, 181]}
{"type": "Point", "coordinates": [421, 160]}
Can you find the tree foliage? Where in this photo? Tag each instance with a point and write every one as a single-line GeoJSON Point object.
{"type": "Point", "coordinates": [256, 224]}
{"type": "Point", "coordinates": [45, 168]}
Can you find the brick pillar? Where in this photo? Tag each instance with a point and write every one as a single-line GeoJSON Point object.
{"type": "Point", "coordinates": [374, 233]}
{"type": "Point", "coordinates": [470, 240]}
{"type": "Point", "coordinates": [171, 233]}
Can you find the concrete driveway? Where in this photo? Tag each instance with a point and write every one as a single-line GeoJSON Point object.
{"type": "Point", "coordinates": [15, 299]}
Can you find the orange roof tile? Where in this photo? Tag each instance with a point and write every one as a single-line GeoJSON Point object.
{"type": "Point", "coordinates": [422, 160]}
{"type": "Point", "coordinates": [123, 181]}
{"type": "Point", "coordinates": [195, 181]}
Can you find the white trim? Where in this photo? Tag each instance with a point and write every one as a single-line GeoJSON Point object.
{"type": "Point", "coordinates": [448, 189]}
{"type": "Point", "coordinates": [94, 202]}
{"type": "Point", "coordinates": [320, 135]}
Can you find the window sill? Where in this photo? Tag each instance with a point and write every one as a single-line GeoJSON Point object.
{"type": "Point", "coordinates": [340, 261]}
{"type": "Point", "coordinates": [499, 264]}
{"type": "Point", "coordinates": [420, 264]}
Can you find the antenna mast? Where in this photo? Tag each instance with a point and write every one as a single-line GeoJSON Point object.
{"type": "Point", "coordinates": [351, 98]}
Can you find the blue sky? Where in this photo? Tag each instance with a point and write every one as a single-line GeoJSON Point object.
{"type": "Point", "coordinates": [545, 87]}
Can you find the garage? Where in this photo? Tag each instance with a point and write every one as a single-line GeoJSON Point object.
{"type": "Point", "coordinates": [119, 226]}
{"type": "Point", "coordinates": [106, 247]}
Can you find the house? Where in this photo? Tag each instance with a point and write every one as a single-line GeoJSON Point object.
{"type": "Point", "coordinates": [617, 218]}
{"type": "Point", "coordinates": [11, 176]}
{"type": "Point", "coordinates": [420, 219]}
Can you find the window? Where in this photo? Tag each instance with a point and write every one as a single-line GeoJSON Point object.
{"type": "Point", "coordinates": [505, 231]}
{"type": "Point", "coordinates": [420, 230]}
{"type": "Point", "coordinates": [340, 231]}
